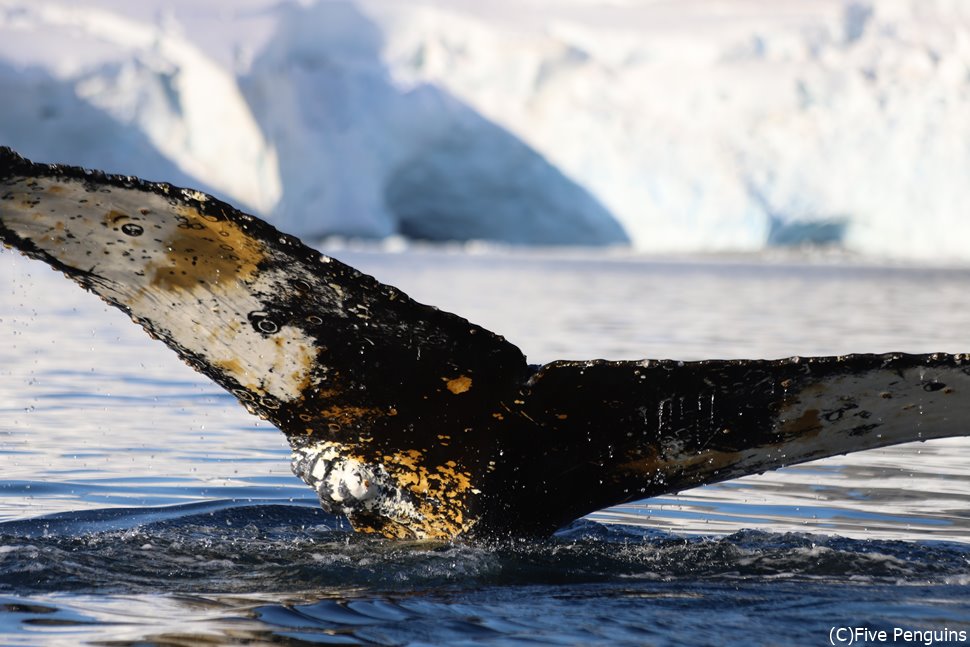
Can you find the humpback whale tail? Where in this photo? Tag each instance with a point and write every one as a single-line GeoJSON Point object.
{"type": "Point", "coordinates": [416, 423]}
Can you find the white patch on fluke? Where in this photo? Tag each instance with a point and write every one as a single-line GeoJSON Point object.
{"type": "Point", "coordinates": [849, 413]}
{"type": "Point", "coordinates": [184, 276]}
{"type": "Point", "coordinates": [347, 485]}
{"type": "Point", "coordinates": [917, 403]}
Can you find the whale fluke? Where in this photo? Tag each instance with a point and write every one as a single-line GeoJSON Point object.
{"type": "Point", "coordinates": [414, 422]}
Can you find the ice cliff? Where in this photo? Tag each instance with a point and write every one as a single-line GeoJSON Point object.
{"type": "Point", "coordinates": [688, 126]}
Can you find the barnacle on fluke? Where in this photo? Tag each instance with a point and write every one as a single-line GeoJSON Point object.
{"type": "Point", "coordinates": [414, 422]}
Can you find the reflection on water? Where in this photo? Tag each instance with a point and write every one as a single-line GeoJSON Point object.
{"type": "Point", "coordinates": [176, 518]}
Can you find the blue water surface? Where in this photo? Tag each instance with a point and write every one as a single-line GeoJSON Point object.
{"type": "Point", "coordinates": [140, 505]}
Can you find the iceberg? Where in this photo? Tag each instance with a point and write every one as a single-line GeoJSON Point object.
{"type": "Point", "coordinates": [313, 134]}
{"type": "Point", "coordinates": [675, 127]}
{"type": "Point", "coordinates": [362, 156]}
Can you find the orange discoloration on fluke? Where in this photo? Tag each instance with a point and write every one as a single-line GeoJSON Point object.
{"type": "Point", "coordinates": [459, 384]}
{"type": "Point", "coordinates": [389, 529]}
{"type": "Point", "coordinates": [206, 251]}
{"type": "Point", "coordinates": [807, 423]}
{"type": "Point", "coordinates": [55, 232]}
{"type": "Point", "coordinates": [693, 467]}
{"type": "Point", "coordinates": [440, 491]}
{"type": "Point", "coordinates": [231, 366]}
{"type": "Point", "coordinates": [348, 416]}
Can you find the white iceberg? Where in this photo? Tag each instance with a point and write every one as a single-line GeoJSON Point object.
{"type": "Point", "coordinates": [689, 126]}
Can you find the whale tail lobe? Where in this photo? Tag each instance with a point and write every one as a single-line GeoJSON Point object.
{"type": "Point", "coordinates": [417, 423]}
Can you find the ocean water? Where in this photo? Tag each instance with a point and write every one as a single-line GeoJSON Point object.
{"type": "Point", "coordinates": [140, 505]}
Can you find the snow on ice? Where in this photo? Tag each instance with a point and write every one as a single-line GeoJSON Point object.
{"type": "Point", "coordinates": [699, 125]}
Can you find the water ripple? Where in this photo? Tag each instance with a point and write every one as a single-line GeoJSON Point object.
{"type": "Point", "coordinates": [247, 548]}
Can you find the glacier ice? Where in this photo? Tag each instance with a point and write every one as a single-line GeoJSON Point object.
{"type": "Point", "coordinates": [361, 156]}
{"type": "Point", "coordinates": [691, 126]}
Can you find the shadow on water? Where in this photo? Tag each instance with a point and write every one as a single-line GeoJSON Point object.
{"type": "Point", "coordinates": [225, 572]}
